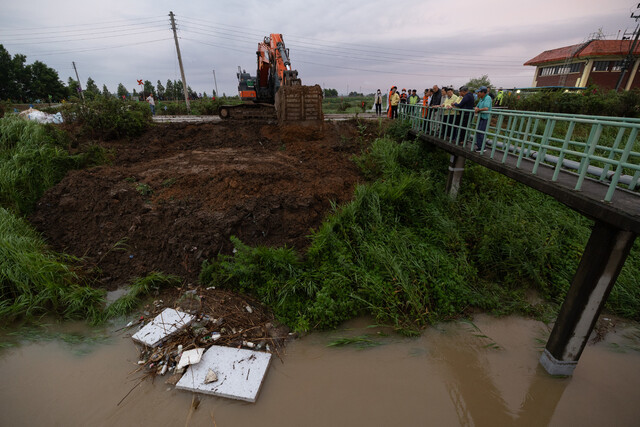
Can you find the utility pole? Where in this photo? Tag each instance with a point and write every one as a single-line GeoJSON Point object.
{"type": "Point", "coordinates": [78, 78]}
{"type": "Point", "coordinates": [184, 80]}
{"type": "Point", "coordinates": [626, 63]}
{"type": "Point", "coordinates": [216, 83]}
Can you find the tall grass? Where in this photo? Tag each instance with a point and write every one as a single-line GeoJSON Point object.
{"type": "Point", "coordinates": [35, 281]}
{"type": "Point", "coordinates": [403, 252]}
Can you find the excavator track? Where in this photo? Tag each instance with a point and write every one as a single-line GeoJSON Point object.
{"type": "Point", "coordinates": [247, 111]}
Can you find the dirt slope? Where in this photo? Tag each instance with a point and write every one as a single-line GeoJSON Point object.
{"type": "Point", "coordinates": [172, 198]}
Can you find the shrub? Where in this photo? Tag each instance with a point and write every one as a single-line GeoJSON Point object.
{"type": "Point", "coordinates": [110, 118]}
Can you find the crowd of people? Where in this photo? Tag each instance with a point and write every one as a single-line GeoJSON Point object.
{"type": "Point", "coordinates": [445, 103]}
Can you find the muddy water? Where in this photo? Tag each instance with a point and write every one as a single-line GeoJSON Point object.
{"type": "Point", "coordinates": [482, 374]}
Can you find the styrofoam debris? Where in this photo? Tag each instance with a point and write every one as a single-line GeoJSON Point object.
{"type": "Point", "coordinates": [215, 336]}
{"type": "Point", "coordinates": [190, 357]}
{"type": "Point", "coordinates": [211, 377]}
{"type": "Point", "coordinates": [240, 373]}
{"type": "Point", "coordinates": [162, 327]}
{"type": "Point", "coordinates": [249, 309]}
{"type": "Point", "coordinates": [248, 344]}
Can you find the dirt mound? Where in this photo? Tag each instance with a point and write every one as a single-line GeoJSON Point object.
{"type": "Point", "coordinates": [172, 198]}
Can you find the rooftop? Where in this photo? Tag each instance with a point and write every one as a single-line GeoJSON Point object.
{"type": "Point", "coordinates": [590, 49]}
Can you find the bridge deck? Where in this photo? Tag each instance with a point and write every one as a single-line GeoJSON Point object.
{"type": "Point", "coordinates": [622, 212]}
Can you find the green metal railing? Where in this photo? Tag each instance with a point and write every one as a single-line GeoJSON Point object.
{"type": "Point", "coordinates": [605, 148]}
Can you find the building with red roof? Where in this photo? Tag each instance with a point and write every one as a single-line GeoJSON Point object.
{"type": "Point", "coordinates": [598, 62]}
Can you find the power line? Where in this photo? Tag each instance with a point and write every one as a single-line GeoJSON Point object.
{"type": "Point", "coordinates": [331, 53]}
{"type": "Point", "coordinates": [88, 30]}
{"type": "Point", "coordinates": [98, 48]}
{"type": "Point", "coordinates": [342, 67]}
{"type": "Point", "coordinates": [370, 47]}
{"type": "Point", "coordinates": [78, 25]}
{"type": "Point", "coordinates": [87, 38]}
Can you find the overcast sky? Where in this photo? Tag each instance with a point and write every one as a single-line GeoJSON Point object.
{"type": "Point", "coordinates": [343, 44]}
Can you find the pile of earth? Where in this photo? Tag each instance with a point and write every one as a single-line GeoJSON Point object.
{"type": "Point", "coordinates": [173, 197]}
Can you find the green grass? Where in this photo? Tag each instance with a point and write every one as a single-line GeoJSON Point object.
{"type": "Point", "coordinates": [404, 253]}
{"type": "Point", "coordinates": [35, 281]}
{"type": "Point", "coordinates": [140, 288]}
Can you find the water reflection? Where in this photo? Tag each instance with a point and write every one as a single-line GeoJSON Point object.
{"type": "Point", "coordinates": [474, 393]}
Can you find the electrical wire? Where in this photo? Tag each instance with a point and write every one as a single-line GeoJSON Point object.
{"type": "Point", "coordinates": [88, 31]}
{"type": "Point", "coordinates": [76, 25]}
{"type": "Point", "coordinates": [101, 48]}
{"type": "Point", "coordinates": [331, 53]}
{"type": "Point", "coordinates": [89, 38]}
{"type": "Point", "coordinates": [375, 48]}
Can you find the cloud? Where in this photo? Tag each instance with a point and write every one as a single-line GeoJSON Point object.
{"type": "Point", "coordinates": [360, 44]}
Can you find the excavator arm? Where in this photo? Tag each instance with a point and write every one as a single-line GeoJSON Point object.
{"type": "Point", "coordinates": [264, 90]}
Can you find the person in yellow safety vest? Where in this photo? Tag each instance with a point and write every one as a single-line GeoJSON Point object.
{"type": "Point", "coordinates": [413, 98]}
{"type": "Point", "coordinates": [394, 100]}
{"type": "Point", "coordinates": [500, 97]}
{"type": "Point", "coordinates": [449, 114]}
{"type": "Point", "coordinates": [389, 101]}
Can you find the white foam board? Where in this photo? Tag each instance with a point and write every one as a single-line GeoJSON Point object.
{"type": "Point", "coordinates": [162, 327]}
{"type": "Point", "coordinates": [240, 373]}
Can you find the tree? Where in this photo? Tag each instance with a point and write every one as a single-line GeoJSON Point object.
{"type": "Point", "coordinates": [8, 87]}
{"type": "Point", "coordinates": [92, 89]}
{"type": "Point", "coordinates": [43, 82]}
{"type": "Point", "coordinates": [191, 93]}
{"type": "Point", "coordinates": [122, 91]}
{"type": "Point", "coordinates": [178, 93]}
{"type": "Point", "coordinates": [330, 93]}
{"type": "Point", "coordinates": [474, 84]}
{"type": "Point", "coordinates": [105, 91]}
{"type": "Point", "coordinates": [148, 88]}
{"type": "Point", "coordinates": [73, 88]}
{"type": "Point", "coordinates": [160, 90]}
{"type": "Point", "coordinates": [170, 90]}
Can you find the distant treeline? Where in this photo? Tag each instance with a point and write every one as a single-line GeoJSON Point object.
{"type": "Point", "coordinates": [20, 83]}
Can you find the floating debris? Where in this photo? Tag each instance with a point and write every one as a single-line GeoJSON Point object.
{"type": "Point", "coordinates": [165, 324]}
{"type": "Point", "coordinates": [240, 373]}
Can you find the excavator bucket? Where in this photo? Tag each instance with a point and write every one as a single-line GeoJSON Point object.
{"type": "Point", "coordinates": [298, 103]}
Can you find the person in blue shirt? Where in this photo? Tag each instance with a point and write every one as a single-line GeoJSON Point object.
{"type": "Point", "coordinates": [483, 108]}
{"type": "Point", "coordinates": [466, 103]}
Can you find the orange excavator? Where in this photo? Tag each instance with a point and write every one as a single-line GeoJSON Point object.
{"type": "Point", "coordinates": [276, 90]}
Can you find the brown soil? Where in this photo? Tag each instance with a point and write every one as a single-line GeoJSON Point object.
{"type": "Point", "coordinates": [173, 197]}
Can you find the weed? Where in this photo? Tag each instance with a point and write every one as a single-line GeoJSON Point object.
{"type": "Point", "coordinates": [360, 342]}
{"type": "Point", "coordinates": [168, 182]}
{"type": "Point", "coordinates": [144, 189]}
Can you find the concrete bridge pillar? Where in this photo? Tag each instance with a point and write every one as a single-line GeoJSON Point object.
{"type": "Point", "coordinates": [599, 267]}
{"type": "Point", "coordinates": [456, 167]}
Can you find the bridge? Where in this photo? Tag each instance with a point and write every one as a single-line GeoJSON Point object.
{"type": "Point", "coordinates": [589, 163]}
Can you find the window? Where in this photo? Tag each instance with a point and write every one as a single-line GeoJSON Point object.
{"type": "Point", "coordinates": [560, 69]}
{"type": "Point", "coordinates": [600, 66]}
{"type": "Point", "coordinates": [617, 66]}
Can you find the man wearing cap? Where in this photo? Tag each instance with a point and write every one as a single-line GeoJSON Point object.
{"type": "Point", "coordinates": [462, 120]}
{"type": "Point", "coordinates": [483, 108]}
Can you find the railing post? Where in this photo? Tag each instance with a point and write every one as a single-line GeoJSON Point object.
{"type": "Point", "coordinates": [599, 267]}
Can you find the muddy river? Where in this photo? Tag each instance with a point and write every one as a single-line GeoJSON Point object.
{"type": "Point", "coordinates": [483, 373]}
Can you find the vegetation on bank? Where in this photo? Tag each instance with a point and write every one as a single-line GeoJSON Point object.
{"type": "Point", "coordinates": [34, 280]}
{"type": "Point", "coordinates": [405, 253]}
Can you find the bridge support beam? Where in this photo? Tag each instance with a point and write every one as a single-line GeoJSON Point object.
{"type": "Point", "coordinates": [599, 267]}
{"type": "Point", "coordinates": [456, 167]}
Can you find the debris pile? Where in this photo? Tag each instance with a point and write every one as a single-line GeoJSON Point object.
{"type": "Point", "coordinates": [175, 337]}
